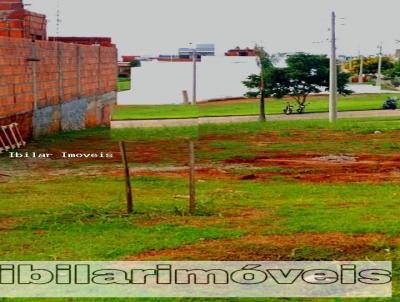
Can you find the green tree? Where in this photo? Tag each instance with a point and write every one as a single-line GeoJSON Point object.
{"type": "Point", "coordinates": [394, 72]}
{"type": "Point", "coordinates": [303, 75]}
{"type": "Point", "coordinates": [136, 63]}
{"type": "Point", "coordinates": [259, 84]}
{"type": "Point", "coordinates": [370, 65]}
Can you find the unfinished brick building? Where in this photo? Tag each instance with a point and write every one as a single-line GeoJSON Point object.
{"type": "Point", "coordinates": [17, 22]}
{"type": "Point", "coordinates": [50, 86]}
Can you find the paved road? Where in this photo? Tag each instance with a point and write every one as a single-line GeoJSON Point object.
{"type": "Point", "coordinates": [247, 118]}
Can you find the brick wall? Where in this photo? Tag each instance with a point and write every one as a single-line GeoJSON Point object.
{"type": "Point", "coordinates": [17, 22]}
{"type": "Point", "coordinates": [53, 86]}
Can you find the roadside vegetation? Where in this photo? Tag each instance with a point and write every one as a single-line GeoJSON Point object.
{"type": "Point", "coordinates": [245, 107]}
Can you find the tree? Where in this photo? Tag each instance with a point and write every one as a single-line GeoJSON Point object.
{"type": "Point", "coordinates": [370, 65]}
{"type": "Point", "coordinates": [135, 63]}
{"type": "Point", "coordinates": [303, 75]}
{"type": "Point", "coordinates": [393, 72]}
{"type": "Point", "coordinates": [258, 83]}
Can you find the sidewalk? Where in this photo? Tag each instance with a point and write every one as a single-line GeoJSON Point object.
{"type": "Point", "coordinates": [248, 118]}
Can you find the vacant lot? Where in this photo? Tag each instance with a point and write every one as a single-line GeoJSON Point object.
{"type": "Point", "coordinates": [303, 190]}
{"type": "Point", "coordinates": [244, 107]}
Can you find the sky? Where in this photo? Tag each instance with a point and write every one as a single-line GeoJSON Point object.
{"type": "Point", "coordinates": [152, 27]}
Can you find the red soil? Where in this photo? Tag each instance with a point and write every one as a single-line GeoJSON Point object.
{"type": "Point", "coordinates": [275, 247]}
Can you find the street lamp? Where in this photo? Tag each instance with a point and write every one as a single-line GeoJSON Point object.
{"type": "Point", "coordinates": [333, 73]}
{"type": "Point", "coordinates": [194, 54]}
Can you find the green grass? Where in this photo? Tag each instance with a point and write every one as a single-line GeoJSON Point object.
{"type": "Point", "coordinates": [123, 84]}
{"type": "Point", "coordinates": [202, 300]}
{"type": "Point", "coordinates": [46, 216]}
{"type": "Point", "coordinates": [273, 106]}
{"type": "Point", "coordinates": [361, 125]}
{"type": "Point", "coordinates": [364, 125]}
{"type": "Point", "coordinates": [64, 220]}
{"type": "Point", "coordinates": [154, 112]}
{"type": "Point", "coordinates": [60, 222]}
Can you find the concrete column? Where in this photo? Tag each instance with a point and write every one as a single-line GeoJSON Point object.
{"type": "Point", "coordinates": [78, 71]}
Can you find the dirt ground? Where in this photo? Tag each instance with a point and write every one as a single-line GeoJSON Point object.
{"type": "Point", "coordinates": [269, 159]}
{"type": "Point", "coordinates": [170, 159]}
{"type": "Point", "coordinates": [275, 247]}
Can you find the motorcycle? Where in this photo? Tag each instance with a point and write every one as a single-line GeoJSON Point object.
{"type": "Point", "coordinates": [390, 103]}
{"type": "Point", "coordinates": [301, 109]}
{"type": "Point", "coordinates": [288, 110]}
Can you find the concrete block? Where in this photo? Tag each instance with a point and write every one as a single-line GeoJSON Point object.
{"type": "Point", "coordinates": [73, 115]}
{"type": "Point", "coordinates": [42, 120]}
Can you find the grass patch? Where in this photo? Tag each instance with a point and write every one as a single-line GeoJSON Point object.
{"type": "Point", "coordinates": [249, 107]}
{"type": "Point", "coordinates": [124, 84]}
{"type": "Point", "coordinates": [286, 128]}
{"type": "Point", "coordinates": [83, 218]}
{"type": "Point", "coordinates": [129, 112]}
{"type": "Point", "coordinates": [367, 125]}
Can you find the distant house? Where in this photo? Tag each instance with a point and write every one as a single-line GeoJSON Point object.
{"type": "Point", "coordinates": [129, 58]}
{"type": "Point", "coordinates": [185, 52]}
{"type": "Point", "coordinates": [175, 58]}
{"type": "Point", "coordinates": [124, 69]}
{"type": "Point", "coordinates": [205, 49]}
{"type": "Point", "coordinates": [238, 52]}
{"type": "Point", "coordinates": [202, 50]}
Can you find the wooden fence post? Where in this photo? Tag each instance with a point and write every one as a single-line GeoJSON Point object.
{"type": "Point", "coordinates": [128, 187]}
{"type": "Point", "coordinates": [192, 181]}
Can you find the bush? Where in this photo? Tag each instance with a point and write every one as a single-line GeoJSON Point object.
{"type": "Point", "coordinates": [136, 63]}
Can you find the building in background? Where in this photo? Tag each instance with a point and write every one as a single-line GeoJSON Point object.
{"type": "Point", "coordinates": [205, 49]}
{"type": "Point", "coordinates": [130, 58]}
{"type": "Point", "coordinates": [124, 69]}
{"type": "Point", "coordinates": [185, 52]}
{"type": "Point", "coordinates": [202, 50]}
{"type": "Point", "coordinates": [176, 58]}
{"type": "Point", "coordinates": [238, 52]}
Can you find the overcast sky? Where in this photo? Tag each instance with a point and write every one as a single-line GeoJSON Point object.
{"type": "Point", "coordinates": [141, 27]}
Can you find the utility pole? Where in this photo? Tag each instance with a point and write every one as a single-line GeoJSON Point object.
{"type": "Point", "coordinates": [260, 54]}
{"type": "Point", "coordinates": [361, 75]}
{"type": "Point", "coordinates": [333, 74]}
{"type": "Point", "coordinates": [194, 76]}
{"type": "Point", "coordinates": [379, 77]}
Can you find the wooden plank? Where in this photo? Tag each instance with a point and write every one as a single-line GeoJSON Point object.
{"type": "Point", "coordinates": [3, 147]}
{"type": "Point", "coordinates": [17, 143]}
{"type": "Point", "coordinates": [10, 144]}
{"type": "Point", "coordinates": [21, 139]}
